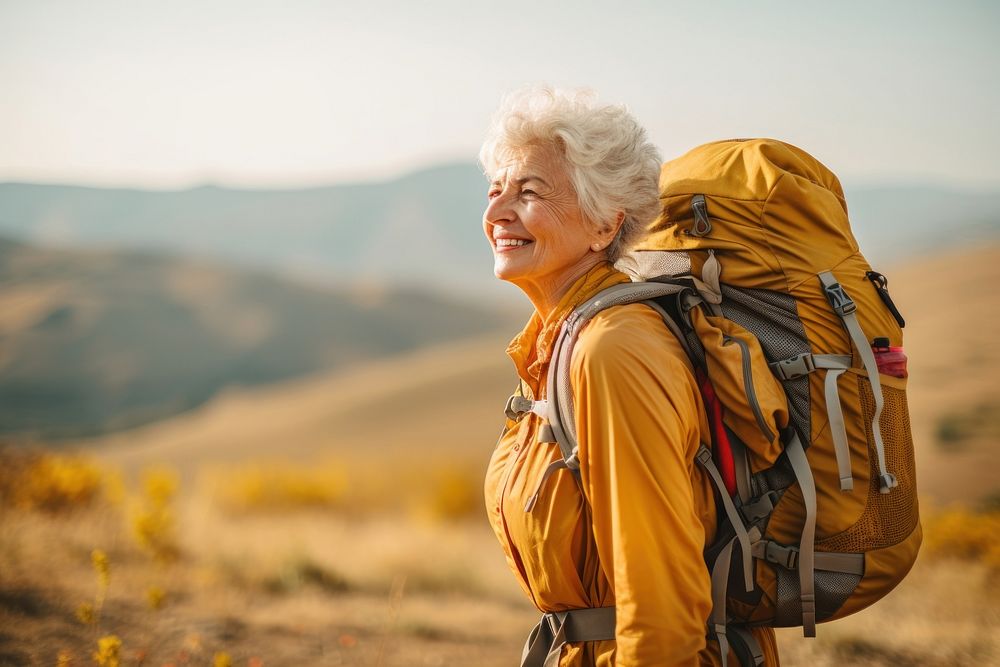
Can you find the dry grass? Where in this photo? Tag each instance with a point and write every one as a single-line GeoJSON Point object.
{"type": "Point", "coordinates": [433, 489]}
{"type": "Point", "coordinates": [292, 587]}
{"type": "Point", "coordinates": [314, 586]}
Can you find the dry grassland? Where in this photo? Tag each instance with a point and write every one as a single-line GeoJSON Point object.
{"type": "Point", "coordinates": [336, 520]}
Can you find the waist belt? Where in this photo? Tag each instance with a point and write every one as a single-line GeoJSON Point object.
{"type": "Point", "coordinates": [557, 628]}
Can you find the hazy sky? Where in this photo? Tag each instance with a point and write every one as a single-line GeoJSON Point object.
{"type": "Point", "coordinates": [297, 92]}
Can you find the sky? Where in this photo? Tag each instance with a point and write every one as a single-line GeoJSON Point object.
{"type": "Point", "coordinates": [295, 93]}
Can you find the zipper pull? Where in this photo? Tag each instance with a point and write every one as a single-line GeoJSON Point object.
{"type": "Point", "coordinates": [881, 283]}
{"type": "Point", "coordinates": [702, 224]}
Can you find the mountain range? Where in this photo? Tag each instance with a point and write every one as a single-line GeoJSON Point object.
{"type": "Point", "coordinates": [422, 229]}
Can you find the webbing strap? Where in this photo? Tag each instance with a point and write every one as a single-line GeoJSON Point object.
{"type": "Point", "coordinates": [754, 652]}
{"type": "Point", "coordinates": [704, 457]}
{"type": "Point", "coordinates": [555, 629]}
{"type": "Point", "coordinates": [806, 563]}
{"type": "Point", "coordinates": [742, 464]}
{"type": "Point", "coordinates": [558, 464]}
{"type": "Point", "coordinates": [845, 307]}
{"type": "Point", "coordinates": [838, 430]}
{"type": "Point", "coordinates": [720, 586]}
{"type": "Point", "coordinates": [828, 561]}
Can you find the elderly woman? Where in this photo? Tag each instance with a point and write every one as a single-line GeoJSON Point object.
{"type": "Point", "coordinates": [572, 184]}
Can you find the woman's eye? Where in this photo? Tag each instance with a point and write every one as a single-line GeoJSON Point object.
{"type": "Point", "coordinates": [528, 193]}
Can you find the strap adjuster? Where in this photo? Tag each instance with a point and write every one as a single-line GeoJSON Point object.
{"type": "Point", "coordinates": [518, 405]}
{"type": "Point", "coordinates": [704, 454]}
{"type": "Point", "coordinates": [841, 303]}
{"type": "Point", "coordinates": [772, 552]}
{"type": "Point", "coordinates": [760, 508]}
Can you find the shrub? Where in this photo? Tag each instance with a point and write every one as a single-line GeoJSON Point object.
{"type": "Point", "coordinates": [455, 493]}
{"type": "Point", "coordinates": [280, 486]}
{"type": "Point", "coordinates": [963, 534]}
{"type": "Point", "coordinates": [153, 520]}
{"type": "Point", "coordinates": [980, 421]}
{"type": "Point", "coordinates": [50, 482]}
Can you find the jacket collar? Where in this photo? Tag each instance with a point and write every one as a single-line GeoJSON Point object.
{"type": "Point", "coordinates": [531, 349]}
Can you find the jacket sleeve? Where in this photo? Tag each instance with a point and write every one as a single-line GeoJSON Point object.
{"type": "Point", "coordinates": [638, 424]}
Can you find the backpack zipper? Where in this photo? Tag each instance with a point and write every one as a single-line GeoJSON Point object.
{"type": "Point", "coordinates": [881, 283]}
{"type": "Point", "coordinates": [748, 385]}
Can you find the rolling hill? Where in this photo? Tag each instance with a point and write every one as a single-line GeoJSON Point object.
{"type": "Point", "coordinates": [92, 341]}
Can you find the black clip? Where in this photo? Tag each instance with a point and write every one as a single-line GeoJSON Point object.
{"type": "Point", "coordinates": [881, 285]}
{"type": "Point", "coordinates": [842, 304]}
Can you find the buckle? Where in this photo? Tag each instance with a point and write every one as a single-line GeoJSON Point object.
{"type": "Point", "coordinates": [517, 406]}
{"type": "Point", "coordinates": [760, 508]}
{"type": "Point", "coordinates": [794, 367]}
{"type": "Point", "coordinates": [787, 557]}
{"type": "Point", "coordinates": [841, 303]}
{"type": "Point", "coordinates": [772, 552]}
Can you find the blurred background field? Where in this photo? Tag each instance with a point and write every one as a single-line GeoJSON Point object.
{"type": "Point", "coordinates": [251, 348]}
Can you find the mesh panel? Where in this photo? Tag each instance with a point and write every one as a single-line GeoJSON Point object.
{"type": "Point", "coordinates": [648, 264]}
{"type": "Point", "coordinates": [832, 591]}
{"type": "Point", "coordinates": [891, 517]}
{"type": "Point", "coordinates": [778, 477]}
{"type": "Point", "coordinates": [773, 318]}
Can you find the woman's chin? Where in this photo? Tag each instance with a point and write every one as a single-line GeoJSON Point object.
{"type": "Point", "coordinates": [504, 271]}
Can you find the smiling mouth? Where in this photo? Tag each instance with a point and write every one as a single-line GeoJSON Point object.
{"type": "Point", "coordinates": [511, 243]}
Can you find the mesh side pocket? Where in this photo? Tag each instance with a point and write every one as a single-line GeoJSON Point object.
{"type": "Point", "coordinates": [888, 518]}
{"type": "Point", "coordinates": [832, 591]}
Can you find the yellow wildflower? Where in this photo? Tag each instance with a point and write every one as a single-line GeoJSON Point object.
{"type": "Point", "coordinates": [155, 597]}
{"type": "Point", "coordinates": [222, 659]}
{"type": "Point", "coordinates": [86, 613]}
{"type": "Point", "coordinates": [108, 653]}
{"type": "Point", "coordinates": [102, 567]}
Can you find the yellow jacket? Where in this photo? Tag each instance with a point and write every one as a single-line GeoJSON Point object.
{"type": "Point", "coordinates": [635, 542]}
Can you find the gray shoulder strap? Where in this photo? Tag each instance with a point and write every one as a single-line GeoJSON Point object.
{"type": "Point", "coordinates": [561, 412]}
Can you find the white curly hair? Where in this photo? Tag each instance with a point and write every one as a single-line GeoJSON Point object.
{"type": "Point", "coordinates": [612, 164]}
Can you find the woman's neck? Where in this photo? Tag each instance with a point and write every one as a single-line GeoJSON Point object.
{"type": "Point", "coordinates": [546, 295]}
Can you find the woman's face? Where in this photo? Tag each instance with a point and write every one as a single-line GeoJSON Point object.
{"type": "Point", "coordinates": [541, 241]}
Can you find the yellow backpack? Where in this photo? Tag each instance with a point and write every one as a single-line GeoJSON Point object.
{"type": "Point", "coordinates": [798, 348]}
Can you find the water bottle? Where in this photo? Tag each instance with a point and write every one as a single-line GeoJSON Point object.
{"type": "Point", "coordinates": [890, 360]}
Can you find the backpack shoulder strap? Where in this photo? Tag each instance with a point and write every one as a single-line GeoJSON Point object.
{"type": "Point", "coordinates": [561, 414]}
{"type": "Point", "coordinates": [557, 409]}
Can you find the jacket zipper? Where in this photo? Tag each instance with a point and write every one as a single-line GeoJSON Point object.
{"type": "Point", "coordinates": [748, 386]}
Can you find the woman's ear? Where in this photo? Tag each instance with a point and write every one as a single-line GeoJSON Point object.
{"type": "Point", "coordinates": [606, 235]}
{"type": "Point", "coordinates": [609, 233]}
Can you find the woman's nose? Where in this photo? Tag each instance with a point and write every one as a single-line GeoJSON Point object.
{"type": "Point", "coordinates": [498, 210]}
